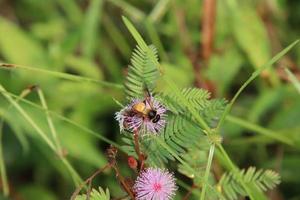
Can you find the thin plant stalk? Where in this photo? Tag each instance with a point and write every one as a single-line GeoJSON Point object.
{"type": "Point", "coordinates": [293, 79]}
{"type": "Point", "coordinates": [254, 75]}
{"type": "Point", "coordinates": [89, 180]}
{"type": "Point", "coordinates": [123, 183]}
{"type": "Point", "coordinates": [43, 135]}
{"type": "Point", "coordinates": [28, 118]}
{"type": "Point", "coordinates": [260, 130]}
{"type": "Point", "coordinates": [66, 76]}
{"type": "Point", "coordinates": [81, 127]}
{"type": "Point", "coordinates": [137, 148]}
{"type": "Point", "coordinates": [207, 170]}
{"type": "Point", "coordinates": [50, 122]}
{"type": "Point", "coordinates": [3, 174]}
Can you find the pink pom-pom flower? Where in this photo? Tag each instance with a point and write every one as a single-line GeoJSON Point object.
{"type": "Point", "coordinates": [155, 184]}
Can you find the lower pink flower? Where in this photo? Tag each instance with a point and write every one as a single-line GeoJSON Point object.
{"type": "Point", "coordinates": [155, 184]}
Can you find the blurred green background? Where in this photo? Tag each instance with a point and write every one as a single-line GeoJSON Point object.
{"type": "Point", "coordinates": [88, 38]}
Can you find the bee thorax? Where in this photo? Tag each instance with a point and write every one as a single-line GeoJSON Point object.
{"type": "Point", "coordinates": [139, 107]}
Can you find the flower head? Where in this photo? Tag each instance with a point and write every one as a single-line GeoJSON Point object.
{"type": "Point", "coordinates": [150, 118]}
{"type": "Point", "coordinates": [155, 184]}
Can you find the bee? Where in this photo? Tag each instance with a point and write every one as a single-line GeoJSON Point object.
{"type": "Point", "coordinates": [141, 108]}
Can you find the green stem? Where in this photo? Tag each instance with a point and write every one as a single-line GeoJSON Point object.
{"type": "Point", "coordinates": [83, 128]}
{"type": "Point", "coordinates": [254, 75]}
{"type": "Point", "coordinates": [260, 130]}
{"type": "Point", "coordinates": [70, 77]}
{"type": "Point", "coordinates": [2, 164]}
{"type": "Point", "coordinates": [27, 118]}
{"type": "Point", "coordinates": [50, 122]}
{"type": "Point", "coordinates": [294, 80]}
{"type": "Point", "coordinates": [207, 170]}
{"type": "Point", "coordinates": [43, 135]}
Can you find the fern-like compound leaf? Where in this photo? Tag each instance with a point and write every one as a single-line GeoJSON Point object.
{"type": "Point", "coordinates": [143, 72]}
{"type": "Point", "coordinates": [99, 194]}
{"type": "Point", "coordinates": [261, 179]}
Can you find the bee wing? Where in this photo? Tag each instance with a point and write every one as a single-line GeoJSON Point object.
{"type": "Point", "coordinates": [148, 97]}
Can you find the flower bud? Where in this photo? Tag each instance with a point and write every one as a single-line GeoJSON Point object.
{"type": "Point", "coordinates": [132, 162]}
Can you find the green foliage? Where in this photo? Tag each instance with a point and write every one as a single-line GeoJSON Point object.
{"type": "Point", "coordinates": [196, 157]}
{"type": "Point", "coordinates": [19, 47]}
{"type": "Point", "coordinates": [99, 194]}
{"type": "Point", "coordinates": [182, 133]}
{"type": "Point", "coordinates": [180, 129]}
{"type": "Point", "coordinates": [293, 79]}
{"type": "Point", "coordinates": [260, 179]}
{"type": "Point", "coordinates": [142, 72]}
{"type": "Point", "coordinates": [194, 97]}
{"type": "Point", "coordinates": [68, 45]}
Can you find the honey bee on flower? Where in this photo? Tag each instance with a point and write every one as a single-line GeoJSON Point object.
{"type": "Point", "coordinates": [146, 115]}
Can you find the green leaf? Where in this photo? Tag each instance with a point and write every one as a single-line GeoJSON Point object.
{"type": "Point", "coordinates": [90, 28]}
{"type": "Point", "coordinates": [294, 80]}
{"type": "Point", "coordinates": [18, 47]}
{"type": "Point", "coordinates": [99, 194]}
{"type": "Point", "coordinates": [142, 73]}
{"type": "Point", "coordinates": [257, 180]}
{"type": "Point", "coordinates": [36, 192]}
{"type": "Point", "coordinates": [223, 68]}
{"type": "Point", "coordinates": [250, 33]}
{"type": "Point", "coordinates": [255, 74]}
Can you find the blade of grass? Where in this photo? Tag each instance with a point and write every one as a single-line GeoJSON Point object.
{"type": "Point", "coordinates": [155, 39]}
{"type": "Point", "coordinates": [3, 174]}
{"type": "Point", "coordinates": [41, 133]}
{"type": "Point", "coordinates": [207, 171]}
{"type": "Point", "coordinates": [293, 79]}
{"type": "Point", "coordinates": [27, 118]}
{"type": "Point", "coordinates": [260, 130]}
{"type": "Point", "coordinates": [90, 28]}
{"type": "Point", "coordinates": [141, 43]}
{"type": "Point", "coordinates": [138, 38]}
{"type": "Point", "coordinates": [16, 129]}
{"type": "Point", "coordinates": [255, 74]}
{"type": "Point", "coordinates": [130, 10]}
{"type": "Point", "coordinates": [66, 76]}
{"type": "Point", "coordinates": [83, 128]}
{"type": "Point", "coordinates": [50, 122]}
{"type": "Point", "coordinates": [72, 10]}
{"type": "Point", "coordinates": [159, 10]}
{"type": "Point", "coordinates": [116, 36]}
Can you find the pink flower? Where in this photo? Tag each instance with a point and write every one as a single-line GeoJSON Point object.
{"type": "Point", "coordinates": [131, 120]}
{"type": "Point", "coordinates": [155, 184]}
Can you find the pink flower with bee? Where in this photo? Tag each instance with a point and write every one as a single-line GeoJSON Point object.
{"type": "Point", "coordinates": [147, 115]}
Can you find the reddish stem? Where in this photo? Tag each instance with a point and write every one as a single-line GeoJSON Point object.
{"type": "Point", "coordinates": [141, 157]}
{"type": "Point", "coordinates": [208, 28]}
{"type": "Point", "coordinates": [89, 180]}
{"type": "Point", "coordinates": [123, 183]}
{"type": "Point", "coordinates": [188, 194]}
